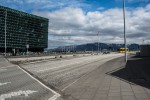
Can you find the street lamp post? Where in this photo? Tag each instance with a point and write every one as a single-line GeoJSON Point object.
{"type": "Point", "coordinates": [27, 46]}
{"type": "Point", "coordinates": [5, 30]}
{"type": "Point", "coordinates": [125, 45]}
{"type": "Point", "coordinates": [98, 44]}
{"type": "Point", "coordinates": [143, 41]}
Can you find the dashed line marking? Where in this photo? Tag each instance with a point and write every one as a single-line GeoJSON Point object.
{"type": "Point", "coordinates": [4, 83]}
{"type": "Point", "coordinates": [2, 69]}
{"type": "Point", "coordinates": [14, 94]}
{"type": "Point", "coordinates": [5, 68]}
{"type": "Point", "coordinates": [8, 66]}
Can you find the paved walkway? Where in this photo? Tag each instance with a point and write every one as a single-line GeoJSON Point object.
{"type": "Point", "coordinates": [112, 81]}
{"type": "Point", "coordinates": [16, 84]}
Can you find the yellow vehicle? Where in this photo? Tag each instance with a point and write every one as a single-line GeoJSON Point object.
{"type": "Point", "coordinates": [122, 50]}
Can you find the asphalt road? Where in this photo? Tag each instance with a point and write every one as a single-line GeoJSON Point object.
{"type": "Point", "coordinates": [97, 77]}
{"type": "Point", "coordinates": [62, 73]}
{"type": "Point", "coordinates": [16, 84]}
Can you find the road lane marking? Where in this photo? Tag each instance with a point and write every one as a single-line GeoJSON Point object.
{"type": "Point", "coordinates": [54, 97]}
{"type": "Point", "coordinates": [8, 66]}
{"type": "Point", "coordinates": [6, 59]}
{"type": "Point", "coordinates": [2, 69]}
{"type": "Point", "coordinates": [18, 93]}
{"type": "Point", "coordinates": [5, 68]}
{"type": "Point", "coordinates": [4, 83]}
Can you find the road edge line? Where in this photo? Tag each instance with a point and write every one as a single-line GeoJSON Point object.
{"type": "Point", "coordinates": [53, 97]}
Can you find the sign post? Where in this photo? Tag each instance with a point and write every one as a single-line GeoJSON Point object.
{"type": "Point", "coordinates": [27, 46]}
{"type": "Point", "coordinates": [125, 44]}
{"type": "Point", "coordinates": [5, 31]}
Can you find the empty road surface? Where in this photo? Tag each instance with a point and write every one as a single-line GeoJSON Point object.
{"type": "Point", "coordinates": [62, 73]}
{"type": "Point", "coordinates": [16, 84]}
{"type": "Point", "coordinates": [95, 77]}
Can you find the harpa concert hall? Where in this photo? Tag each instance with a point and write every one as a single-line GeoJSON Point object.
{"type": "Point", "coordinates": [20, 31]}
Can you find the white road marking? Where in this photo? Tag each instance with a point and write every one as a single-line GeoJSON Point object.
{"type": "Point", "coordinates": [71, 83]}
{"type": "Point", "coordinates": [6, 59]}
{"type": "Point", "coordinates": [18, 93]}
{"type": "Point", "coordinates": [8, 66]}
{"type": "Point", "coordinates": [53, 97]}
{"type": "Point", "coordinates": [5, 68]}
{"type": "Point", "coordinates": [2, 69]}
{"type": "Point", "coordinates": [4, 83]}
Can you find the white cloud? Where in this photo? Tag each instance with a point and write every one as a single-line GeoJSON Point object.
{"type": "Point", "coordinates": [83, 27]}
{"type": "Point", "coordinates": [100, 8]}
{"type": "Point", "coordinates": [138, 0]}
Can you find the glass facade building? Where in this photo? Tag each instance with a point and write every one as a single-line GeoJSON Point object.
{"type": "Point", "coordinates": [22, 29]}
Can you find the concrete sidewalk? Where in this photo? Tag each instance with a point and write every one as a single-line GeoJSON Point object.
{"type": "Point", "coordinates": [111, 81]}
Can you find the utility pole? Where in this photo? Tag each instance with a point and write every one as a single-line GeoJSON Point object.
{"type": "Point", "coordinates": [5, 31]}
{"type": "Point", "coordinates": [98, 43]}
{"type": "Point", "coordinates": [143, 42]}
{"type": "Point", "coordinates": [27, 46]}
{"type": "Point", "coordinates": [125, 45]}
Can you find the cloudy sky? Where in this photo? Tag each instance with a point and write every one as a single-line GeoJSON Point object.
{"type": "Point", "coordinates": [73, 22]}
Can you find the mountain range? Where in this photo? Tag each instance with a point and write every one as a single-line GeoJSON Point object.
{"type": "Point", "coordinates": [94, 47]}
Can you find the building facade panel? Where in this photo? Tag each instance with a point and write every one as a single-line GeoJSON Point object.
{"type": "Point", "coordinates": [22, 29]}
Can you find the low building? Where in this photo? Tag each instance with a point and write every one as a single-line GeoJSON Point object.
{"type": "Point", "coordinates": [20, 31]}
{"type": "Point", "coordinates": [145, 50]}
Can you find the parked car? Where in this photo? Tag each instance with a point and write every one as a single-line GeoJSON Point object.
{"type": "Point", "coordinates": [105, 51]}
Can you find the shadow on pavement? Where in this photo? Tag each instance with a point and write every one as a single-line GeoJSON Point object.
{"type": "Point", "coordinates": [136, 71]}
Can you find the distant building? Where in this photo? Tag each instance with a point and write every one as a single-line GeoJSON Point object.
{"type": "Point", "coordinates": [23, 31]}
{"type": "Point", "coordinates": [145, 50]}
